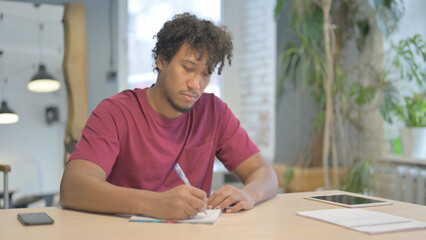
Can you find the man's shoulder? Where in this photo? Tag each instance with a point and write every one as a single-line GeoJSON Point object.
{"type": "Point", "coordinates": [211, 104]}
{"type": "Point", "coordinates": [210, 100]}
{"type": "Point", "coordinates": [126, 97]}
{"type": "Point", "coordinates": [120, 101]}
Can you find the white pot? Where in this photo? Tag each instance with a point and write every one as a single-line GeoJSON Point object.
{"type": "Point", "coordinates": [413, 141]}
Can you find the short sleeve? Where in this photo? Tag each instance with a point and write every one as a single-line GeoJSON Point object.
{"type": "Point", "coordinates": [234, 145]}
{"type": "Point", "coordinates": [100, 136]}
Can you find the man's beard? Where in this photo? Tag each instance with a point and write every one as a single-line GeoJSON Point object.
{"type": "Point", "coordinates": [177, 107]}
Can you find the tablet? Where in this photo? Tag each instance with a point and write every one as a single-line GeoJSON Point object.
{"type": "Point", "coordinates": [349, 200]}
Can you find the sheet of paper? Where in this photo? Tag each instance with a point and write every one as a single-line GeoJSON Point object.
{"type": "Point", "coordinates": [210, 218]}
{"type": "Point", "coordinates": [364, 220]}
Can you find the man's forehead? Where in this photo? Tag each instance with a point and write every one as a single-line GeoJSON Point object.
{"type": "Point", "coordinates": [190, 52]}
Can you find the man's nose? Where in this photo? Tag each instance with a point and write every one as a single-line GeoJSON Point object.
{"type": "Point", "coordinates": [194, 82]}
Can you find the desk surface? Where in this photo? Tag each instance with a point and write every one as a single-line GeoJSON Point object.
{"type": "Point", "coordinates": [273, 219]}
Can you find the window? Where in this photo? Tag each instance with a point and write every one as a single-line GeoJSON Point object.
{"type": "Point", "coordinates": [145, 19]}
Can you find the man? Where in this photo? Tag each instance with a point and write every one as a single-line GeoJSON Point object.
{"type": "Point", "coordinates": [124, 160]}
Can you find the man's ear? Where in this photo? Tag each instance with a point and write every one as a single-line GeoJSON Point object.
{"type": "Point", "coordinates": [160, 63]}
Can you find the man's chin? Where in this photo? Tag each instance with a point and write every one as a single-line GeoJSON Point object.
{"type": "Point", "coordinates": [178, 107]}
{"type": "Point", "coordinates": [182, 110]}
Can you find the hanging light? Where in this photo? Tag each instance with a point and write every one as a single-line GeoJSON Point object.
{"type": "Point", "coordinates": [42, 81]}
{"type": "Point", "coordinates": [7, 116]}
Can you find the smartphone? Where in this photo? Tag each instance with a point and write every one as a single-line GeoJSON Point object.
{"type": "Point", "coordinates": [38, 218]}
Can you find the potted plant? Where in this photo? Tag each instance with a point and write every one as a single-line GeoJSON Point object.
{"type": "Point", "coordinates": [412, 112]}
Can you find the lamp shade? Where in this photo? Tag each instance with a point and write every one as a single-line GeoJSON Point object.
{"type": "Point", "coordinates": [7, 116]}
{"type": "Point", "coordinates": [43, 82]}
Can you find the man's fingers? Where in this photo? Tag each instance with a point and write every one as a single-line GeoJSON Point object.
{"type": "Point", "coordinates": [217, 200]}
{"type": "Point", "coordinates": [197, 200]}
{"type": "Point", "coordinates": [197, 204]}
{"type": "Point", "coordinates": [230, 201]}
{"type": "Point", "coordinates": [219, 196]}
{"type": "Point", "coordinates": [185, 201]}
{"type": "Point", "coordinates": [237, 207]}
{"type": "Point", "coordinates": [198, 193]}
{"type": "Point", "coordinates": [191, 211]}
{"type": "Point", "coordinates": [232, 198]}
{"type": "Point", "coordinates": [211, 202]}
{"type": "Point", "coordinates": [224, 199]}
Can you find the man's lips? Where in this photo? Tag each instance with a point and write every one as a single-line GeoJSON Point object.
{"type": "Point", "coordinates": [190, 97]}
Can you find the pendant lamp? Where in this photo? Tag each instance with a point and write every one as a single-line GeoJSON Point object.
{"type": "Point", "coordinates": [42, 81]}
{"type": "Point", "coordinates": [7, 116]}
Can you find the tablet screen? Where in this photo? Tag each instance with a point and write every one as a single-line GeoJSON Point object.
{"type": "Point", "coordinates": [349, 200]}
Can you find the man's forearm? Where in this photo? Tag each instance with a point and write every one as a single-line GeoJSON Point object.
{"type": "Point", "coordinates": [261, 184]}
{"type": "Point", "coordinates": [84, 187]}
{"type": "Point", "coordinates": [88, 193]}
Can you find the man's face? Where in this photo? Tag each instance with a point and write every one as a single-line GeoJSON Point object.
{"type": "Point", "coordinates": [184, 78]}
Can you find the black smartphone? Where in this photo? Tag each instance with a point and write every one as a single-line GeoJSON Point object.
{"type": "Point", "coordinates": [38, 218]}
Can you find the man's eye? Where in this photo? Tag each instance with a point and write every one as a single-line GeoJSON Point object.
{"type": "Point", "coordinates": [187, 69]}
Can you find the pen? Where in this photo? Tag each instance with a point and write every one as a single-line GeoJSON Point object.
{"type": "Point", "coordinates": [182, 176]}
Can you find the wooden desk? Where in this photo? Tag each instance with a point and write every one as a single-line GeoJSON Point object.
{"type": "Point", "coordinates": [273, 219]}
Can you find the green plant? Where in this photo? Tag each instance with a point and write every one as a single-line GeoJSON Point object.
{"type": "Point", "coordinates": [412, 112]}
{"type": "Point", "coordinates": [322, 28]}
{"type": "Point", "coordinates": [314, 61]}
{"type": "Point", "coordinates": [359, 178]}
{"type": "Point", "coordinates": [288, 174]}
{"type": "Point", "coordinates": [409, 57]}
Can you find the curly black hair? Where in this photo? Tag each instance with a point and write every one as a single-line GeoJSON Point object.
{"type": "Point", "coordinates": [202, 35]}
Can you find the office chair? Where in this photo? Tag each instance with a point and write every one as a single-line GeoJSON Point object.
{"type": "Point", "coordinates": [5, 169]}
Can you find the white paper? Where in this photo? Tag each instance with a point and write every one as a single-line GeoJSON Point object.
{"type": "Point", "coordinates": [210, 217]}
{"type": "Point", "coordinates": [364, 220]}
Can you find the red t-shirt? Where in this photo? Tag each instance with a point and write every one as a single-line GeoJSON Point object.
{"type": "Point", "coordinates": [137, 147]}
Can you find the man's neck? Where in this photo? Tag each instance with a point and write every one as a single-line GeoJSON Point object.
{"type": "Point", "coordinates": [158, 101]}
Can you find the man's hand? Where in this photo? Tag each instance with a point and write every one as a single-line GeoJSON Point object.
{"type": "Point", "coordinates": [260, 183]}
{"type": "Point", "coordinates": [179, 203]}
{"type": "Point", "coordinates": [228, 196]}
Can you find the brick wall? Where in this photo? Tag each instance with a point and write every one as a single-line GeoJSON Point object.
{"type": "Point", "coordinates": [255, 59]}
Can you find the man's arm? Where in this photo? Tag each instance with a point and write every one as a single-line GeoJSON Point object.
{"type": "Point", "coordinates": [260, 183]}
{"type": "Point", "coordinates": [84, 187]}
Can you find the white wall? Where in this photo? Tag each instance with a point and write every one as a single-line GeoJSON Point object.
{"type": "Point", "coordinates": [249, 84]}
{"type": "Point", "coordinates": [413, 21]}
{"type": "Point", "coordinates": [231, 75]}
